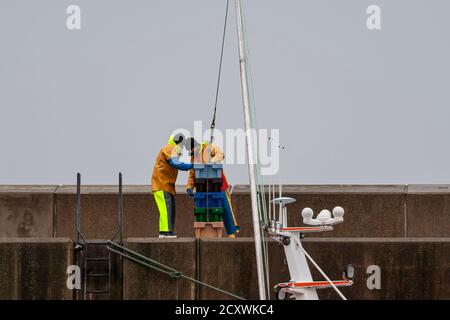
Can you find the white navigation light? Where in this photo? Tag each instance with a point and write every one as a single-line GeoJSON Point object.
{"type": "Point", "coordinates": [338, 212]}
{"type": "Point", "coordinates": [324, 215]}
{"type": "Point", "coordinates": [307, 213]}
{"type": "Point", "coordinates": [324, 218]}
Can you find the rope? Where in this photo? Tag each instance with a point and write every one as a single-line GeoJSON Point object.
{"type": "Point", "coordinates": [213, 122]}
{"type": "Point", "coordinates": [320, 270]}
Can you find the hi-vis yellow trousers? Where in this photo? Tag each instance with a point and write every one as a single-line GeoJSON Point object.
{"type": "Point", "coordinates": [166, 207]}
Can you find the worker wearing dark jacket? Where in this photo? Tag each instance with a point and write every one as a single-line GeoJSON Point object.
{"type": "Point", "coordinates": [164, 175]}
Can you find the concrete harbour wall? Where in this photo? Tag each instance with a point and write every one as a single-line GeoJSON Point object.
{"type": "Point", "coordinates": [394, 211]}
{"type": "Point", "coordinates": [405, 230]}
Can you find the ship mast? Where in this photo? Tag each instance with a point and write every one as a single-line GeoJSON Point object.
{"type": "Point", "coordinates": [251, 155]}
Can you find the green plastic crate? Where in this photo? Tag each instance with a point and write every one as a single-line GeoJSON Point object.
{"type": "Point", "coordinates": [200, 217]}
{"type": "Point", "coordinates": [214, 214]}
{"type": "Point", "coordinates": [211, 210]}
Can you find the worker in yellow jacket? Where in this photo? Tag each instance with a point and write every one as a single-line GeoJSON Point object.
{"type": "Point", "coordinates": [210, 153]}
{"type": "Point", "coordinates": [164, 175]}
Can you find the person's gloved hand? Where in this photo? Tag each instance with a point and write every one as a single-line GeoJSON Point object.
{"type": "Point", "coordinates": [190, 192]}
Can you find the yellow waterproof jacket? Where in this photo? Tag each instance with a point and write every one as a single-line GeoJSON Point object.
{"type": "Point", "coordinates": [164, 175]}
{"type": "Point", "coordinates": [208, 153]}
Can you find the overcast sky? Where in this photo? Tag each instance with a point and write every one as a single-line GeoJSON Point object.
{"type": "Point", "coordinates": [352, 105]}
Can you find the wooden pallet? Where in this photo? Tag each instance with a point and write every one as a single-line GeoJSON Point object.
{"type": "Point", "coordinates": [208, 229]}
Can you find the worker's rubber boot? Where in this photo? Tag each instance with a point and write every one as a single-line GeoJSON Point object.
{"type": "Point", "coordinates": [168, 235]}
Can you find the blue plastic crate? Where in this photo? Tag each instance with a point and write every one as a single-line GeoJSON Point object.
{"type": "Point", "coordinates": [214, 199]}
{"type": "Point", "coordinates": [208, 170]}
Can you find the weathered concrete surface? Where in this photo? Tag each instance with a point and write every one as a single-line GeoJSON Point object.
{"type": "Point", "coordinates": [142, 283]}
{"type": "Point", "coordinates": [382, 207]}
{"type": "Point", "coordinates": [230, 264]}
{"type": "Point", "coordinates": [35, 268]}
{"type": "Point", "coordinates": [26, 211]}
{"type": "Point", "coordinates": [99, 250]}
{"type": "Point", "coordinates": [370, 211]}
{"type": "Point", "coordinates": [99, 212]}
{"type": "Point", "coordinates": [416, 268]}
{"type": "Point", "coordinates": [410, 268]}
{"type": "Point", "coordinates": [428, 208]}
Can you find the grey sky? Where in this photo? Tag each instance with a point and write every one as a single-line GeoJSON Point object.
{"type": "Point", "coordinates": [353, 105]}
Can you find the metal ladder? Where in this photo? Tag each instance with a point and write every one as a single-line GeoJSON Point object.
{"type": "Point", "coordinates": [96, 259]}
{"type": "Point", "coordinates": [96, 268]}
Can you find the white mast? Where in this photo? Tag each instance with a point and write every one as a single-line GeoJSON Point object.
{"type": "Point", "coordinates": [252, 157]}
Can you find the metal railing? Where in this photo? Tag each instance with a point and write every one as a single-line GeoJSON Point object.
{"type": "Point", "coordinates": [82, 243]}
{"type": "Point", "coordinates": [81, 240]}
{"type": "Point", "coordinates": [115, 246]}
{"type": "Point", "coordinates": [157, 266]}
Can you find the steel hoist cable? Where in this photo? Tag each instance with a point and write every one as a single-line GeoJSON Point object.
{"type": "Point", "coordinates": [213, 122]}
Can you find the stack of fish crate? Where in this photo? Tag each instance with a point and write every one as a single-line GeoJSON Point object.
{"type": "Point", "coordinates": [208, 200]}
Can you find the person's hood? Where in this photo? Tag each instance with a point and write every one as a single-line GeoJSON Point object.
{"type": "Point", "coordinates": [203, 145]}
{"type": "Point", "coordinates": [171, 141]}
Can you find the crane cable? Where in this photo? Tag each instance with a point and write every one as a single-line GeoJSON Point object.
{"type": "Point", "coordinates": [213, 122]}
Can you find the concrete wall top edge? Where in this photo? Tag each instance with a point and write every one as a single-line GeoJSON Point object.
{"type": "Point", "coordinates": [19, 189]}
{"type": "Point", "coordinates": [429, 188]}
{"type": "Point", "coordinates": [355, 240]}
{"type": "Point", "coordinates": [379, 240]}
{"type": "Point", "coordinates": [35, 240]}
{"type": "Point", "coordinates": [153, 240]}
{"type": "Point", "coordinates": [323, 189]}
{"type": "Point", "coordinates": [104, 189]}
{"type": "Point", "coordinates": [295, 189]}
{"type": "Point", "coordinates": [112, 189]}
